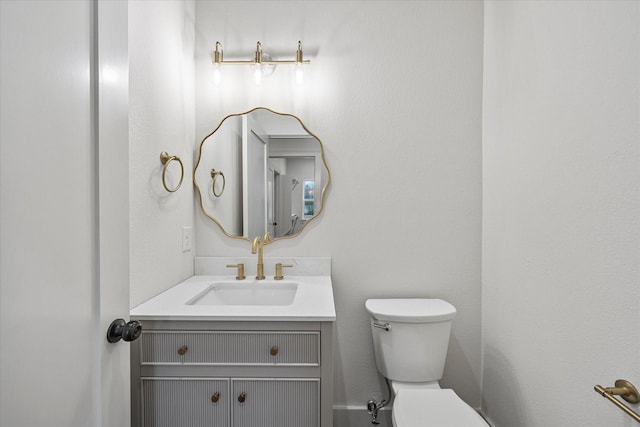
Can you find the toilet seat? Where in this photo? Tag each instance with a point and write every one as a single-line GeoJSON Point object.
{"type": "Point", "coordinates": [433, 408]}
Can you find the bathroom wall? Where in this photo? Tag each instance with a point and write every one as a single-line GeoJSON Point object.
{"type": "Point", "coordinates": [394, 92]}
{"type": "Point", "coordinates": [161, 118]}
{"type": "Point", "coordinates": [228, 160]}
{"type": "Point", "coordinates": [561, 210]}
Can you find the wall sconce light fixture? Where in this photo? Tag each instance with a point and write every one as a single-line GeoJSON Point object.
{"type": "Point", "coordinates": [262, 63]}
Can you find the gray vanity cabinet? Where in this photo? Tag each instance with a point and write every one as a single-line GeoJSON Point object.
{"type": "Point", "coordinates": [232, 374]}
{"type": "Point", "coordinates": [171, 402]}
{"type": "Point", "coordinates": [282, 402]}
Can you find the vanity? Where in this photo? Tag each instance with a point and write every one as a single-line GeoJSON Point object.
{"type": "Point", "coordinates": [257, 354]}
{"type": "Point", "coordinates": [254, 349]}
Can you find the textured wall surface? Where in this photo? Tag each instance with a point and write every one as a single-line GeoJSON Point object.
{"type": "Point", "coordinates": [161, 118]}
{"type": "Point", "coordinates": [561, 196]}
{"type": "Point", "coordinates": [398, 108]}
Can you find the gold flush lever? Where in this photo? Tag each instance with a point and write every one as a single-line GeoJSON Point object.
{"type": "Point", "coordinates": [279, 267]}
{"type": "Point", "coordinates": [240, 274]}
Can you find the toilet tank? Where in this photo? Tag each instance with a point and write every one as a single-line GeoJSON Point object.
{"type": "Point", "coordinates": [414, 348]}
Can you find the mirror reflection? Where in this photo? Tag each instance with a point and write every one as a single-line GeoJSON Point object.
{"type": "Point", "coordinates": [261, 171]}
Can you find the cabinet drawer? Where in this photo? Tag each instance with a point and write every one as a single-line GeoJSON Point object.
{"type": "Point", "coordinates": [230, 348]}
{"type": "Point", "coordinates": [196, 402]}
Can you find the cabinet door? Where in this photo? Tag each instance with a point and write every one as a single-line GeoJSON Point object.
{"type": "Point", "coordinates": [185, 402]}
{"type": "Point", "coordinates": [276, 402]}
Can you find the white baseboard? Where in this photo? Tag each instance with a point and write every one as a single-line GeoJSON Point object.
{"type": "Point", "coordinates": [357, 416]}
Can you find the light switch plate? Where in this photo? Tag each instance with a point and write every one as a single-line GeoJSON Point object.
{"type": "Point", "coordinates": [187, 238]}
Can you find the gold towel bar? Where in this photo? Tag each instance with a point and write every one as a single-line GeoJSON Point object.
{"type": "Point", "coordinates": [166, 158]}
{"type": "Point", "coordinates": [624, 389]}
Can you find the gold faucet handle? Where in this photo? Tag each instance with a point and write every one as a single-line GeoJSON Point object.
{"type": "Point", "coordinates": [279, 267]}
{"type": "Point", "coordinates": [240, 274]}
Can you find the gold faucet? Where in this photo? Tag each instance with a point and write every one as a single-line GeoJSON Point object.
{"type": "Point", "coordinates": [258, 246]}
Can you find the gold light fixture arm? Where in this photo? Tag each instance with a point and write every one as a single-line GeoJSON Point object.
{"type": "Point", "coordinates": [218, 54]}
{"type": "Point", "coordinates": [257, 57]}
{"type": "Point", "coordinates": [624, 389]}
{"type": "Point", "coordinates": [299, 59]}
{"type": "Point", "coordinates": [218, 57]}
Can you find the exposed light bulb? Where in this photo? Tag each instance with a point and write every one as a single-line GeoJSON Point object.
{"type": "Point", "coordinates": [217, 77]}
{"type": "Point", "coordinates": [299, 62]}
{"type": "Point", "coordinates": [217, 61]}
{"type": "Point", "coordinates": [257, 74]}
{"type": "Point", "coordinates": [299, 73]}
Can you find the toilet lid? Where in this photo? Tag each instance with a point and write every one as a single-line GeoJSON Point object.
{"type": "Point", "coordinates": [410, 310]}
{"type": "Point", "coordinates": [441, 408]}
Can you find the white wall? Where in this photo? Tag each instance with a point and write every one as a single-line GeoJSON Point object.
{"type": "Point", "coordinates": [394, 92]}
{"type": "Point", "coordinates": [223, 152]}
{"type": "Point", "coordinates": [161, 45]}
{"type": "Point", "coordinates": [561, 210]}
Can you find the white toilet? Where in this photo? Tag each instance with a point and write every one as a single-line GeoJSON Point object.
{"type": "Point", "coordinates": [410, 340]}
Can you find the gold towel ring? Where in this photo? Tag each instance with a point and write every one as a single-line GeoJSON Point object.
{"type": "Point", "coordinates": [215, 174]}
{"type": "Point", "coordinates": [165, 158]}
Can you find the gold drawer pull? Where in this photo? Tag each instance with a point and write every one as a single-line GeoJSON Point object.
{"type": "Point", "coordinates": [182, 350]}
{"type": "Point", "coordinates": [274, 350]}
{"type": "Point", "coordinates": [215, 397]}
{"type": "Point", "coordinates": [242, 397]}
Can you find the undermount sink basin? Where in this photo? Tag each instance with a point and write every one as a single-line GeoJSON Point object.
{"type": "Point", "coordinates": [234, 293]}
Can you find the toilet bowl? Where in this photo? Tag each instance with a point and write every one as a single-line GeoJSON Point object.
{"type": "Point", "coordinates": [410, 340]}
{"type": "Point", "coordinates": [431, 407]}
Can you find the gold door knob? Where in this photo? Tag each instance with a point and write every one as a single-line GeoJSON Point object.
{"type": "Point", "coordinates": [242, 397]}
{"type": "Point", "coordinates": [182, 350]}
{"type": "Point", "coordinates": [215, 397]}
{"type": "Point", "coordinates": [274, 350]}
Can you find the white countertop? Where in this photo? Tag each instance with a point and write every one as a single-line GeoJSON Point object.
{"type": "Point", "coordinates": [313, 302]}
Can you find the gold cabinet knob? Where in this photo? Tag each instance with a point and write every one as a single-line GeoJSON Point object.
{"type": "Point", "coordinates": [215, 397]}
{"type": "Point", "coordinates": [274, 350]}
{"type": "Point", "coordinates": [242, 397]}
{"type": "Point", "coordinates": [182, 350]}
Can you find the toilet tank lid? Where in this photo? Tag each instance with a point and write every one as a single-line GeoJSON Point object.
{"type": "Point", "coordinates": [410, 310]}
